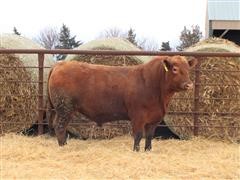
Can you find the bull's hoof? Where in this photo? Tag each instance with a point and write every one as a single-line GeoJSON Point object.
{"type": "Point", "coordinates": [51, 132]}
{"type": "Point", "coordinates": [148, 148]}
{"type": "Point", "coordinates": [136, 148]}
{"type": "Point", "coordinates": [62, 143]}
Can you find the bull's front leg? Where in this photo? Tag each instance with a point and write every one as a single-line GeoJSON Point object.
{"type": "Point", "coordinates": [137, 134]}
{"type": "Point", "coordinates": [149, 133]}
{"type": "Point", "coordinates": [137, 138]}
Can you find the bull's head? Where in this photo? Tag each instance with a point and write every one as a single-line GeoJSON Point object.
{"type": "Point", "coordinates": [177, 68]}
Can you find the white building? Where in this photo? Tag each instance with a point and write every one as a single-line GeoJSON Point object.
{"type": "Point", "coordinates": [223, 19]}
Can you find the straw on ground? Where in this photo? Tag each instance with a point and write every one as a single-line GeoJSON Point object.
{"type": "Point", "coordinates": [41, 158]}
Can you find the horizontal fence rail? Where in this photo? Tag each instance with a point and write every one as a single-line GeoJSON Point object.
{"type": "Point", "coordinates": [190, 113]}
{"type": "Point", "coordinates": [160, 125]}
{"type": "Point", "coordinates": [195, 113]}
{"type": "Point", "coordinates": [118, 53]}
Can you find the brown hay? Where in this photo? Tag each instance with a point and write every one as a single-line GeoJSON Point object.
{"type": "Point", "coordinates": [16, 98]}
{"type": "Point", "coordinates": [41, 158]}
{"type": "Point", "coordinates": [108, 60]}
{"type": "Point", "coordinates": [90, 130]}
{"type": "Point", "coordinates": [87, 128]}
{"type": "Point", "coordinates": [110, 44]}
{"type": "Point", "coordinates": [209, 105]}
{"type": "Point", "coordinates": [19, 100]}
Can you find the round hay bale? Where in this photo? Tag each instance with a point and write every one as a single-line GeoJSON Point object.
{"type": "Point", "coordinates": [109, 44]}
{"type": "Point", "coordinates": [19, 100]}
{"type": "Point", "coordinates": [84, 127]}
{"type": "Point", "coordinates": [210, 95]}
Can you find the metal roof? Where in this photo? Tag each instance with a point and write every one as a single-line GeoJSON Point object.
{"type": "Point", "coordinates": [224, 9]}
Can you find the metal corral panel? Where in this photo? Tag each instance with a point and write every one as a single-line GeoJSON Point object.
{"type": "Point", "coordinates": [224, 9]}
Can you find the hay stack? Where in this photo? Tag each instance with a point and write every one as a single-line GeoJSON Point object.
{"type": "Point", "coordinates": [209, 93]}
{"type": "Point", "coordinates": [87, 128]}
{"type": "Point", "coordinates": [109, 44]}
{"type": "Point", "coordinates": [18, 100]}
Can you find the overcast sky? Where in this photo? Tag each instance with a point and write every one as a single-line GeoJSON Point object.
{"type": "Point", "coordinates": [160, 20]}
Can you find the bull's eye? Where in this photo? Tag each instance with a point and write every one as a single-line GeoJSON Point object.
{"type": "Point", "coordinates": [175, 70]}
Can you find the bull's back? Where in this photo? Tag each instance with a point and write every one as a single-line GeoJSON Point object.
{"type": "Point", "coordinates": [96, 91]}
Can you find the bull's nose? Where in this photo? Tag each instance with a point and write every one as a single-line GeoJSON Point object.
{"type": "Point", "coordinates": [188, 86]}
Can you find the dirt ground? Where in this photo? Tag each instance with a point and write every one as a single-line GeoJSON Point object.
{"type": "Point", "coordinates": [41, 158]}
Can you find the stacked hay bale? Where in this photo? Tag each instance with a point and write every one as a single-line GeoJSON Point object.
{"type": "Point", "coordinates": [109, 44]}
{"type": "Point", "coordinates": [84, 127]}
{"type": "Point", "coordinates": [210, 95]}
{"type": "Point", "coordinates": [19, 96]}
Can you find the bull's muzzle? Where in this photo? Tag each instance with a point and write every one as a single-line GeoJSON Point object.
{"type": "Point", "coordinates": [188, 86]}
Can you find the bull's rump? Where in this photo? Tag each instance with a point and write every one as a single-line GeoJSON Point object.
{"type": "Point", "coordinates": [96, 91]}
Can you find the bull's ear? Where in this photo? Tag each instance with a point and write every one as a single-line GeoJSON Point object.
{"type": "Point", "coordinates": [192, 62]}
{"type": "Point", "coordinates": [167, 64]}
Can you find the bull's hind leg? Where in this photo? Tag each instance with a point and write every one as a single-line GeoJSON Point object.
{"type": "Point", "coordinates": [64, 112]}
{"type": "Point", "coordinates": [60, 130]}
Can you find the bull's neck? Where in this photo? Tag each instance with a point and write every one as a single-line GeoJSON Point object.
{"type": "Point", "coordinates": [156, 76]}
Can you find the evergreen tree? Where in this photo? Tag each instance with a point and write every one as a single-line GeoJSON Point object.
{"type": "Point", "coordinates": [189, 37]}
{"type": "Point", "coordinates": [165, 46]}
{"type": "Point", "coordinates": [131, 36]}
{"type": "Point", "coordinates": [66, 41]}
{"type": "Point", "coordinates": [16, 31]}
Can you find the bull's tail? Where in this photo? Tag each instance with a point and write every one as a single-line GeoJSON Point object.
{"type": "Point", "coordinates": [50, 113]}
{"type": "Point", "coordinates": [48, 94]}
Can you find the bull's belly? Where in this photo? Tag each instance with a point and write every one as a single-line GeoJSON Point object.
{"type": "Point", "coordinates": [110, 117]}
{"type": "Point", "coordinates": [102, 117]}
{"type": "Point", "coordinates": [103, 108]}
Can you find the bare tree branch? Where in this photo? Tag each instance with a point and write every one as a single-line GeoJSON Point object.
{"type": "Point", "coordinates": [148, 44]}
{"type": "Point", "coordinates": [113, 32]}
{"type": "Point", "coordinates": [143, 43]}
{"type": "Point", "coordinates": [48, 38]}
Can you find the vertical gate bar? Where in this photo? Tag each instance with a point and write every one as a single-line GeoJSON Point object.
{"type": "Point", "coordinates": [196, 97]}
{"type": "Point", "coordinates": [40, 93]}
